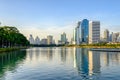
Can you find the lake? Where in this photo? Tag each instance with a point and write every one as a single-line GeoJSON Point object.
{"type": "Point", "coordinates": [57, 63]}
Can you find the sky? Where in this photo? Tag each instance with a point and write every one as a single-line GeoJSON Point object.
{"type": "Point", "coordinates": [53, 17]}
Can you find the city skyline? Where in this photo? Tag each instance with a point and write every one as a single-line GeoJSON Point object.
{"type": "Point", "coordinates": [42, 18]}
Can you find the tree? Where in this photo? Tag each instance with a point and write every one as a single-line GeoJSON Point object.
{"type": "Point", "coordinates": [11, 37]}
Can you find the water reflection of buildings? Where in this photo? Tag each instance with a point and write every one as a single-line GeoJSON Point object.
{"type": "Point", "coordinates": [110, 58]}
{"type": "Point", "coordinates": [94, 62]}
{"type": "Point", "coordinates": [105, 56]}
{"type": "Point", "coordinates": [50, 53]}
{"type": "Point", "coordinates": [63, 54]}
{"type": "Point", "coordinates": [86, 62]}
{"type": "Point", "coordinates": [40, 53]}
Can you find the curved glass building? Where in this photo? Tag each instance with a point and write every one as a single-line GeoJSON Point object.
{"type": "Point", "coordinates": [84, 30]}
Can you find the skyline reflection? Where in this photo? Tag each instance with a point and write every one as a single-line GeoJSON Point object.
{"type": "Point", "coordinates": [86, 61]}
{"type": "Point", "coordinates": [51, 63]}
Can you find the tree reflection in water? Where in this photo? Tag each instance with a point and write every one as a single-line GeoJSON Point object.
{"type": "Point", "coordinates": [10, 60]}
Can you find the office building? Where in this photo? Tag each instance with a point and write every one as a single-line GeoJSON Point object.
{"type": "Point", "coordinates": [94, 32]}
{"type": "Point", "coordinates": [76, 35]}
{"type": "Point", "coordinates": [114, 37]}
{"type": "Point", "coordinates": [43, 41]}
{"type": "Point", "coordinates": [84, 30]}
{"type": "Point", "coordinates": [106, 35]}
{"type": "Point", "coordinates": [37, 41]}
{"type": "Point", "coordinates": [49, 39]}
{"type": "Point", "coordinates": [118, 38]}
{"type": "Point", "coordinates": [111, 37]}
{"type": "Point", "coordinates": [31, 39]}
{"type": "Point", "coordinates": [63, 38]}
{"type": "Point", "coordinates": [80, 33]}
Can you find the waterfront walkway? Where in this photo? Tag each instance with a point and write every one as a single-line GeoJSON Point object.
{"type": "Point", "coordinates": [106, 49]}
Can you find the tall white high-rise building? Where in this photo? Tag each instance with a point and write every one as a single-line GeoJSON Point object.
{"type": "Point", "coordinates": [118, 38]}
{"type": "Point", "coordinates": [31, 39]}
{"type": "Point", "coordinates": [106, 35]}
{"type": "Point", "coordinates": [94, 32]}
{"type": "Point", "coordinates": [63, 38]}
{"type": "Point", "coordinates": [76, 35]}
{"type": "Point", "coordinates": [49, 39]}
{"type": "Point", "coordinates": [37, 41]}
{"type": "Point", "coordinates": [114, 37]}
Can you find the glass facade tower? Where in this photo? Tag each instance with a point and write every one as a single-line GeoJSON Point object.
{"type": "Point", "coordinates": [84, 27]}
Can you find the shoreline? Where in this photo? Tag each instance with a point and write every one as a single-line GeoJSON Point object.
{"type": "Point", "coordinates": [92, 46]}
{"type": "Point", "coordinates": [99, 48]}
{"type": "Point", "coordinates": [11, 49]}
{"type": "Point", "coordinates": [82, 46]}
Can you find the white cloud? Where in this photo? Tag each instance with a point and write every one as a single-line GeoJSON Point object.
{"type": "Point", "coordinates": [42, 32]}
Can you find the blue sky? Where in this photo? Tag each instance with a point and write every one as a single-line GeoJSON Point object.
{"type": "Point", "coordinates": [44, 17]}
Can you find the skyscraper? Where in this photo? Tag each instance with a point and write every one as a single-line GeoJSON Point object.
{"type": "Point", "coordinates": [118, 38]}
{"type": "Point", "coordinates": [63, 38]}
{"type": "Point", "coordinates": [114, 37]}
{"type": "Point", "coordinates": [81, 32]}
{"type": "Point", "coordinates": [31, 39]}
{"type": "Point", "coordinates": [37, 41]}
{"type": "Point", "coordinates": [49, 39]}
{"type": "Point", "coordinates": [106, 35]}
{"type": "Point", "coordinates": [94, 32]}
{"type": "Point", "coordinates": [110, 37]}
{"type": "Point", "coordinates": [76, 34]}
{"type": "Point", "coordinates": [84, 30]}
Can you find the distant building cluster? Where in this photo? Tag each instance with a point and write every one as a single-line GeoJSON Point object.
{"type": "Point", "coordinates": [86, 32]}
{"type": "Point", "coordinates": [45, 41]}
{"type": "Point", "coordinates": [63, 40]}
{"type": "Point", "coordinates": [110, 37]}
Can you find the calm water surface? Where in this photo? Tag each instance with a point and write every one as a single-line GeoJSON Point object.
{"type": "Point", "coordinates": [59, 64]}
